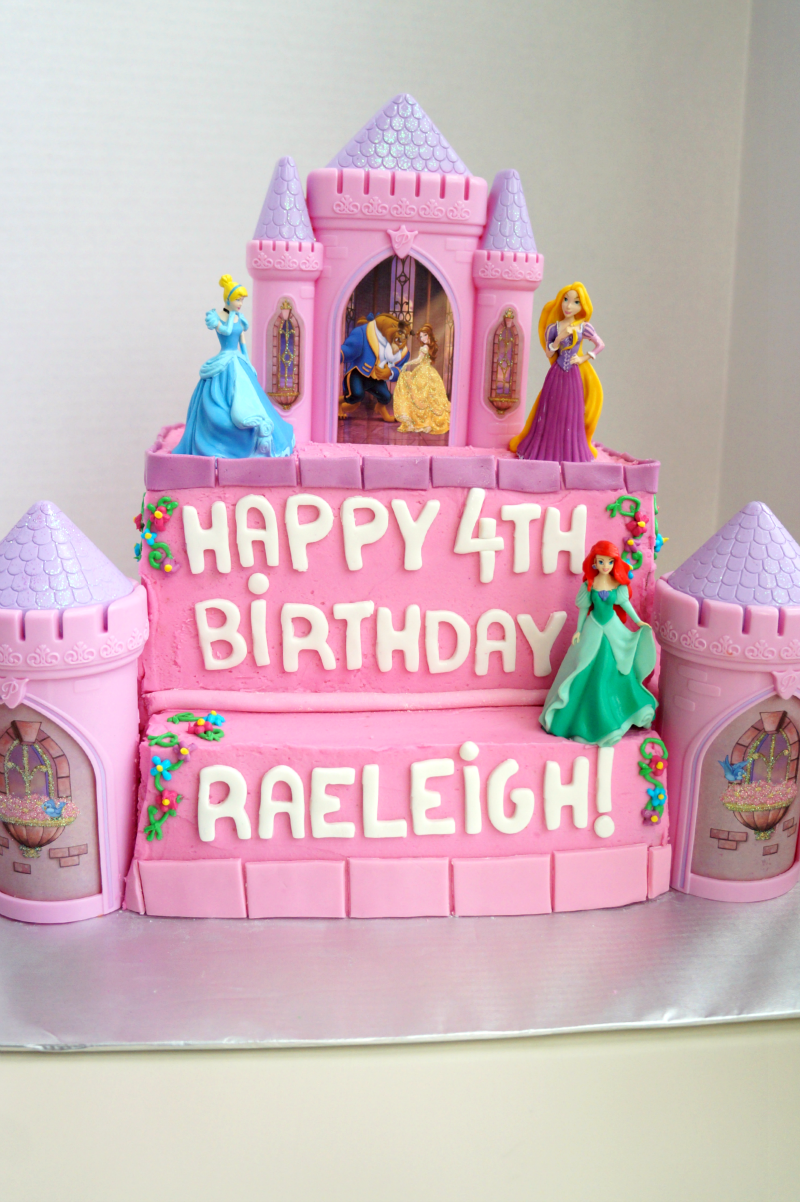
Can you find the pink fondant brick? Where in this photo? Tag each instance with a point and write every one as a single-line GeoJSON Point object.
{"type": "Point", "coordinates": [296, 889]}
{"type": "Point", "coordinates": [193, 889]}
{"type": "Point", "coordinates": [593, 475]}
{"type": "Point", "coordinates": [384, 472]}
{"type": "Point", "coordinates": [596, 880]}
{"type": "Point", "coordinates": [134, 898]}
{"type": "Point", "coordinates": [411, 888]}
{"type": "Point", "coordinates": [464, 471]}
{"type": "Point", "coordinates": [517, 885]}
{"type": "Point", "coordinates": [529, 475]}
{"type": "Point", "coordinates": [641, 477]}
{"type": "Point", "coordinates": [162, 472]}
{"type": "Point", "coordinates": [342, 471]}
{"type": "Point", "coordinates": [260, 472]}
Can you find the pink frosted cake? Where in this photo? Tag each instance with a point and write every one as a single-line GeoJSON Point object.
{"type": "Point", "coordinates": [377, 631]}
{"type": "Point", "coordinates": [356, 621]}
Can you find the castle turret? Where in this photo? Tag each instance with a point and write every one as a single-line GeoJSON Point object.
{"type": "Point", "coordinates": [72, 627]}
{"type": "Point", "coordinates": [506, 271]}
{"type": "Point", "coordinates": [728, 621]}
{"type": "Point", "coordinates": [285, 261]}
{"type": "Point", "coordinates": [397, 198]}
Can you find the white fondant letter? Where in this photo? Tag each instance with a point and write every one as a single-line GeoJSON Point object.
{"type": "Point", "coordinates": [315, 640]}
{"type": "Point", "coordinates": [258, 630]}
{"type": "Point", "coordinates": [423, 799]}
{"type": "Point", "coordinates": [375, 827]}
{"type": "Point", "coordinates": [414, 531]}
{"type": "Point", "coordinates": [270, 806]}
{"type": "Point", "coordinates": [232, 807]}
{"type": "Point", "coordinates": [473, 820]}
{"type": "Point", "coordinates": [358, 536]}
{"type": "Point", "coordinates": [522, 799]}
{"type": "Point", "coordinates": [323, 803]}
{"type": "Point", "coordinates": [200, 539]}
{"type": "Point", "coordinates": [246, 535]}
{"type": "Point", "coordinates": [558, 795]}
{"type": "Point", "coordinates": [353, 613]}
{"type": "Point", "coordinates": [555, 540]}
{"type": "Point", "coordinates": [521, 516]}
{"type": "Point", "coordinates": [301, 534]}
{"type": "Point", "coordinates": [487, 544]}
{"type": "Point", "coordinates": [541, 641]}
{"type": "Point", "coordinates": [434, 618]}
{"type": "Point", "coordinates": [484, 646]}
{"type": "Point", "coordinates": [227, 633]}
{"type": "Point", "coordinates": [390, 640]}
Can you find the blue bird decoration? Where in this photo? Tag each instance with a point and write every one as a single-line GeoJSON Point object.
{"type": "Point", "coordinates": [733, 772]}
{"type": "Point", "coordinates": [53, 809]}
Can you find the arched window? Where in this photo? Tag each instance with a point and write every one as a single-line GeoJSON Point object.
{"type": "Point", "coordinates": [286, 336]}
{"type": "Point", "coordinates": [36, 804]}
{"type": "Point", "coordinates": [504, 372]}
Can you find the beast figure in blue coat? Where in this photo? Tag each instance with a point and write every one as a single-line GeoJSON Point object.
{"type": "Point", "coordinates": [372, 356]}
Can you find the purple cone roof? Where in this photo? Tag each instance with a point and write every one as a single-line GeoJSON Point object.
{"type": "Point", "coordinates": [47, 563]}
{"type": "Point", "coordinates": [508, 226]}
{"type": "Point", "coordinates": [400, 138]}
{"type": "Point", "coordinates": [752, 560]}
{"type": "Point", "coordinates": [284, 216]}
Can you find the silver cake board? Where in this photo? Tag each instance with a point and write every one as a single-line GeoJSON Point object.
{"type": "Point", "coordinates": [131, 982]}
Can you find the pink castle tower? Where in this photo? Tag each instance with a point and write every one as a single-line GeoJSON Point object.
{"type": "Point", "coordinates": [285, 260]}
{"type": "Point", "coordinates": [396, 223]}
{"type": "Point", "coordinates": [728, 621]}
{"type": "Point", "coordinates": [71, 631]}
{"type": "Point", "coordinates": [506, 271]}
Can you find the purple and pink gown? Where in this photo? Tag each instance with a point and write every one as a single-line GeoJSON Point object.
{"type": "Point", "coordinates": [557, 432]}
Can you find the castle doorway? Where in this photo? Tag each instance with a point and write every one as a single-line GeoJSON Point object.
{"type": "Point", "coordinates": [414, 408]}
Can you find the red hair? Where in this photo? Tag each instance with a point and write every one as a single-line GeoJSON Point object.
{"type": "Point", "coordinates": [621, 571]}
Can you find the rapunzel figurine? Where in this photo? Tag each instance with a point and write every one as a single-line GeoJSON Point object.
{"type": "Point", "coordinates": [564, 418]}
{"type": "Point", "coordinates": [599, 692]}
{"type": "Point", "coordinates": [230, 415]}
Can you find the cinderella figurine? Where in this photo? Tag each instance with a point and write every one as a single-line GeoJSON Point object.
{"type": "Point", "coordinates": [230, 415]}
{"type": "Point", "coordinates": [599, 693]}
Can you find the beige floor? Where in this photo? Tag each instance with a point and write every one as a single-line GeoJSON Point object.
{"type": "Point", "coordinates": [686, 1116]}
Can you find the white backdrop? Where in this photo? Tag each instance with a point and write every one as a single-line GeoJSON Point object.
{"type": "Point", "coordinates": [138, 139]}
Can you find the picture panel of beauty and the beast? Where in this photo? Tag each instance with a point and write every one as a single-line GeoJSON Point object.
{"type": "Point", "coordinates": [396, 358]}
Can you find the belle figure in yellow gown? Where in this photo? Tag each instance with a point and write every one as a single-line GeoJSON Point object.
{"type": "Point", "coordinates": [421, 405]}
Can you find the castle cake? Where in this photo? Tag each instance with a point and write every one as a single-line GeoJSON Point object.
{"type": "Point", "coordinates": [368, 690]}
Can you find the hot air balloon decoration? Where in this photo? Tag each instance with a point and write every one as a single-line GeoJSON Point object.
{"type": "Point", "coordinates": [762, 782]}
{"type": "Point", "coordinates": [35, 805]}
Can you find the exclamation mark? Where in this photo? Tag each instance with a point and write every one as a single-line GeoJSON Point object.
{"type": "Point", "coordinates": [604, 823]}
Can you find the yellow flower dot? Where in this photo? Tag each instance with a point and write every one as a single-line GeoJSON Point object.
{"type": "Point", "coordinates": [184, 750]}
{"type": "Point", "coordinates": [167, 567]}
{"type": "Point", "coordinates": [660, 764]}
{"type": "Point", "coordinates": [158, 514]}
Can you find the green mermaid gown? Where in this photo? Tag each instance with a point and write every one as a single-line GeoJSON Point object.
{"type": "Point", "coordinates": [598, 693]}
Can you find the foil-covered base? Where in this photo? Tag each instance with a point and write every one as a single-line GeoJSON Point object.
{"type": "Point", "coordinates": [127, 981]}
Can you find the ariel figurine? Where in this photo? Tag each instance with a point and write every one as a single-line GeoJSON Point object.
{"type": "Point", "coordinates": [230, 415]}
{"type": "Point", "coordinates": [599, 692]}
{"type": "Point", "coordinates": [421, 403]}
{"type": "Point", "coordinates": [564, 418]}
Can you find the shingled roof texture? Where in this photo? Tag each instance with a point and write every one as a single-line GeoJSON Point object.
{"type": "Point", "coordinates": [752, 560]}
{"type": "Point", "coordinates": [401, 137]}
{"type": "Point", "coordinates": [47, 563]}
{"type": "Point", "coordinates": [508, 226]}
{"type": "Point", "coordinates": [284, 215]}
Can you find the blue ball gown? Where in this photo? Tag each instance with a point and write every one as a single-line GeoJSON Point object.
{"type": "Point", "coordinates": [230, 415]}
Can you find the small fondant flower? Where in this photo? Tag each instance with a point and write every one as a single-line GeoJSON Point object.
{"type": "Point", "coordinates": [169, 797]}
{"type": "Point", "coordinates": [651, 815]}
{"type": "Point", "coordinates": [657, 795]}
{"type": "Point", "coordinates": [161, 769]}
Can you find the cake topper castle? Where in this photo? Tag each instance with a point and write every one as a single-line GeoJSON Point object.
{"type": "Point", "coordinates": [401, 275]}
